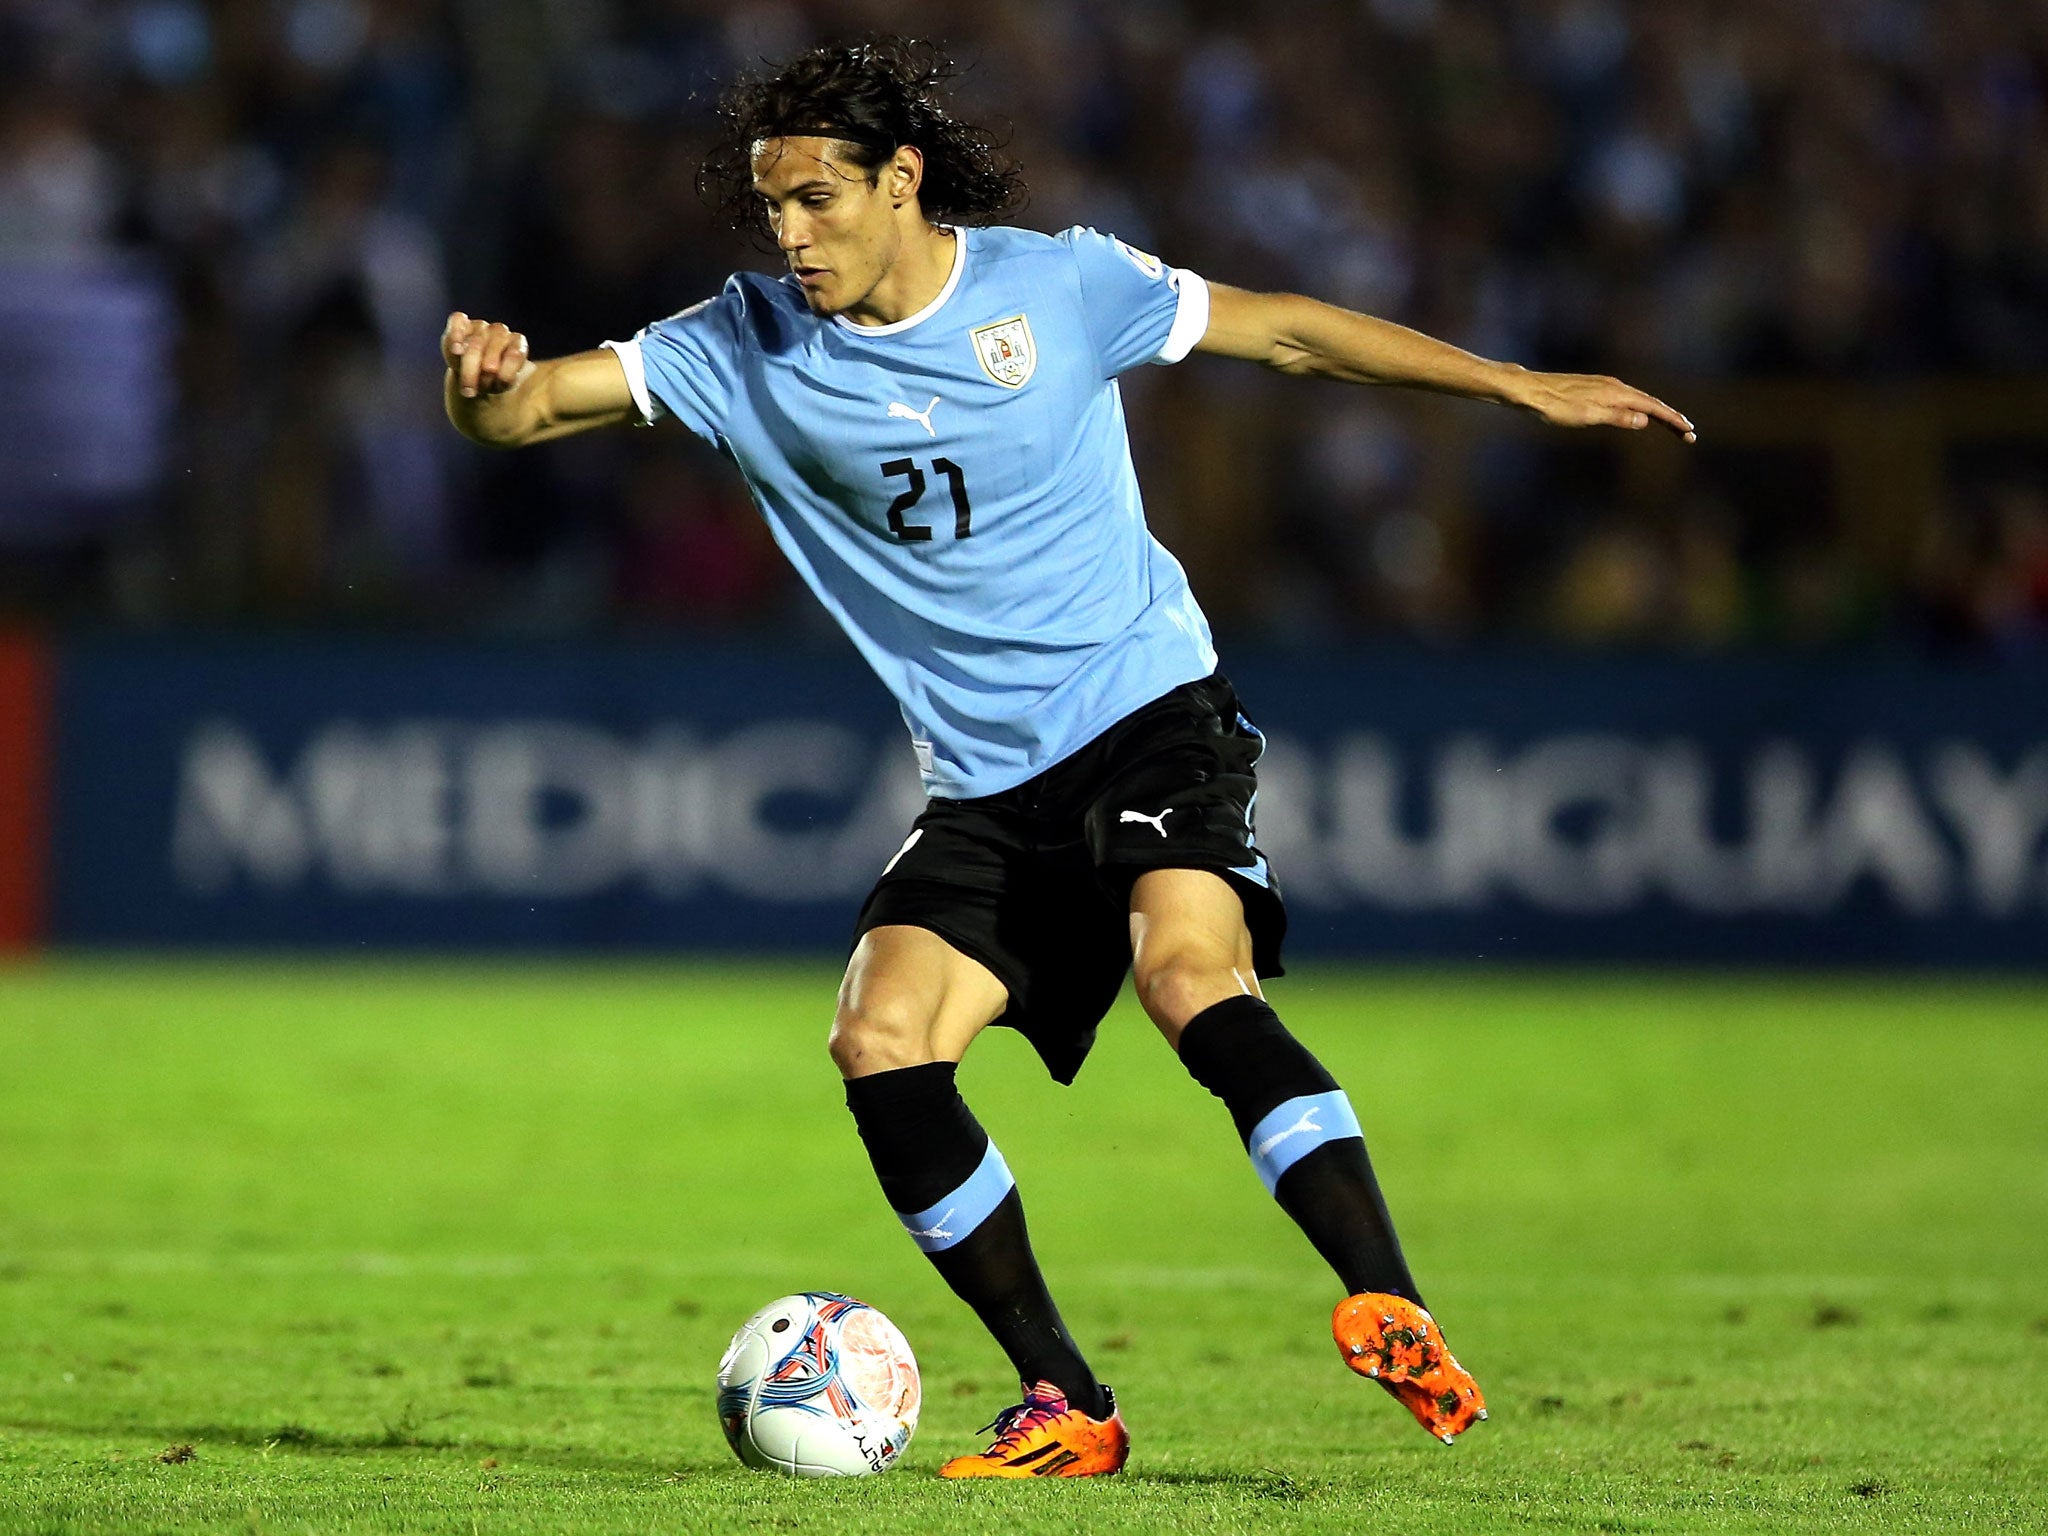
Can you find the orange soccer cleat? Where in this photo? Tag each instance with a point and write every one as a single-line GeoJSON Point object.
{"type": "Point", "coordinates": [1394, 1342]}
{"type": "Point", "coordinates": [1043, 1437]}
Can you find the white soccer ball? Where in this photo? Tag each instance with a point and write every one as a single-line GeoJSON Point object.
{"type": "Point", "coordinates": [818, 1385]}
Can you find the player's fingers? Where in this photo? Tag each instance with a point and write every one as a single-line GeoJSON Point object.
{"type": "Point", "coordinates": [506, 356]}
{"type": "Point", "coordinates": [492, 347]}
{"type": "Point", "coordinates": [513, 364]}
{"type": "Point", "coordinates": [1658, 411]}
{"type": "Point", "coordinates": [1636, 403]}
{"type": "Point", "coordinates": [461, 339]}
{"type": "Point", "coordinates": [452, 334]}
{"type": "Point", "coordinates": [469, 367]}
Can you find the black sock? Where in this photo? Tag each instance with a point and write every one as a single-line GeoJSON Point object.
{"type": "Point", "coordinates": [1241, 1052]}
{"type": "Point", "coordinates": [947, 1184]}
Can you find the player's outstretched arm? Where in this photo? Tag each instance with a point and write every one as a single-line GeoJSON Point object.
{"type": "Point", "coordinates": [498, 396]}
{"type": "Point", "coordinates": [1305, 336]}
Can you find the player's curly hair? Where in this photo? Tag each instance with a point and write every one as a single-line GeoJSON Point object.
{"type": "Point", "coordinates": [875, 96]}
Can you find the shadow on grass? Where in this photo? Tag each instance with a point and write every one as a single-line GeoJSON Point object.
{"type": "Point", "coordinates": [404, 1437]}
{"type": "Point", "coordinates": [407, 1437]}
{"type": "Point", "coordinates": [1263, 1484]}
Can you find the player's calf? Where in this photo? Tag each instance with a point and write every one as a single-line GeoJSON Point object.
{"type": "Point", "coordinates": [1305, 1145]}
{"type": "Point", "coordinates": [1303, 1139]}
{"type": "Point", "coordinates": [954, 1195]}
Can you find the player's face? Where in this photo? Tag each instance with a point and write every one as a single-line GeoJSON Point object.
{"type": "Point", "coordinates": [836, 228]}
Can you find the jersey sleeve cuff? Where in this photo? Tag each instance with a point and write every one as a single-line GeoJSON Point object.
{"type": "Point", "coordinates": [1190, 320]}
{"type": "Point", "coordinates": [628, 354]}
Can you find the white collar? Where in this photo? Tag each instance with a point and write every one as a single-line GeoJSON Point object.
{"type": "Point", "coordinates": [938, 303]}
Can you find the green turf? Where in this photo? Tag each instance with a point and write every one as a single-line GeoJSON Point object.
{"type": "Point", "coordinates": [456, 1248]}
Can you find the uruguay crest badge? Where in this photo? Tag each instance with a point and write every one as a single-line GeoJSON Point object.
{"type": "Point", "coordinates": [1007, 352]}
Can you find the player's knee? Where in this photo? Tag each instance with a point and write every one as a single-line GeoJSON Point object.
{"type": "Point", "coordinates": [1182, 983]}
{"type": "Point", "coordinates": [877, 1032]}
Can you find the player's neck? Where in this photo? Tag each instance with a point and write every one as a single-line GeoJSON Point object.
{"type": "Point", "coordinates": [916, 278]}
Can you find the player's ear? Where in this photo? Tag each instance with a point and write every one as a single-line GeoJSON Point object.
{"type": "Point", "coordinates": [905, 174]}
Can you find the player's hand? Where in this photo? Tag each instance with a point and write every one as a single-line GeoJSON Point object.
{"type": "Point", "coordinates": [486, 358]}
{"type": "Point", "coordinates": [1592, 400]}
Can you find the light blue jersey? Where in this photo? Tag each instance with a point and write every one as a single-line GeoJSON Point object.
{"type": "Point", "coordinates": [957, 487]}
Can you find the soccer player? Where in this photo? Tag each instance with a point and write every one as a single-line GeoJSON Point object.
{"type": "Point", "coordinates": [925, 408]}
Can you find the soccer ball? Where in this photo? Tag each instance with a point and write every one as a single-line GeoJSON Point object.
{"type": "Point", "coordinates": [818, 1385]}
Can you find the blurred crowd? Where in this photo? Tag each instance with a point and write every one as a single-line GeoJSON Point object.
{"type": "Point", "coordinates": [230, 231]}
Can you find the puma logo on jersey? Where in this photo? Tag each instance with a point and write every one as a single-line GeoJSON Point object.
{"type": "Point", "coordinates": [898, 409]}
{"type": "Point", "coordinates": [1307, 1122]}
{"type": "Point", "coordinates": [1156, 823]}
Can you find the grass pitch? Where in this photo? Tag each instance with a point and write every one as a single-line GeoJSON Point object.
{"type": "Point", "coordinates": [435, 1248]}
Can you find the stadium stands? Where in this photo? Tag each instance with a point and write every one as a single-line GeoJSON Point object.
{"type": "Point", "coordinates": [268, 206]}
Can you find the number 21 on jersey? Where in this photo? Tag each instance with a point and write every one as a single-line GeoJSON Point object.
{"type": "Point", "coordinates": [910, 533]}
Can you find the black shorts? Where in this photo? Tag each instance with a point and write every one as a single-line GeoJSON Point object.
{"type": "Point", "coordinates": [1035, 882]}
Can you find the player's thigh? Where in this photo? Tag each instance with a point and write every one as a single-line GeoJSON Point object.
{"type": "Point", "coordinates": [1190, 948]}
{"type": "Point", "coordinates": [909, 997]}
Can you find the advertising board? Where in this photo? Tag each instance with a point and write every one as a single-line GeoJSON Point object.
{"type": "Point", "coordinates": [316, 793]}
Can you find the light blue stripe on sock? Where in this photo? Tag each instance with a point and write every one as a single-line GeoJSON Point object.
{"type": "Point", "coordinates": [949, 1220]}
{"type": "Point", "coordinates": [1295, 1129]}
